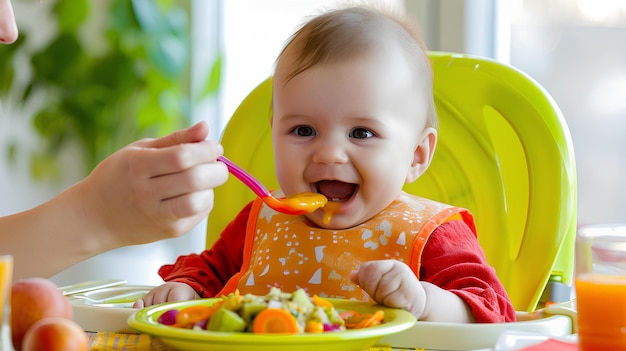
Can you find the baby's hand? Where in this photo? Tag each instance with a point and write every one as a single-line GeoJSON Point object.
{"type": "Point", "coordinates": [171, 291]}
{"type": "Point", "coordinates": [393, 284]}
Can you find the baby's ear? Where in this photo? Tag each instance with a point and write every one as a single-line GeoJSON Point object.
{"type": "Point", "coordinates": [423, 154]}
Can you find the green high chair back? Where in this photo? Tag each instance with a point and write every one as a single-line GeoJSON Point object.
{"type": "Point", "coordinates": [504, 153]}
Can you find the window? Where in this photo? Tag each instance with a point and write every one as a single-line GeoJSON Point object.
{"type": "Point", "coordinates": [575, 49]}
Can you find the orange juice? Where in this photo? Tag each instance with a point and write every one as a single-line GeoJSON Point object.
{"type": "Point", "coordinates": [601, 304]}
{"type": "Point", "coordinates": [6, 279]}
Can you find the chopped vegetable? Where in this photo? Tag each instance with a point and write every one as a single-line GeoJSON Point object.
{"type": "Point", "coordinates": [226, 320]}
{"type": "Point", "coordinates": [301, 298]}
{"type": "Point", "coordinates": [276, 312]}
{"type": "Point", "coordinates": [318, 301]}
{"type": "Point", "coordinates": [331, 327]}
{"type": "Point", "coordinates": [168, 317]}
{"type": "Point", "coordinates": [357, 320]}
{"type": "Point", "coordinates": [347, 314]}
{"type": "Point", "coordinates": [314, 327]}
{"type": "Point", "coordinates": [275, 320]}
{"type": "Point", "coordinates": [371, 320]}
{"type": "Point", "coordinates": [189, 316]}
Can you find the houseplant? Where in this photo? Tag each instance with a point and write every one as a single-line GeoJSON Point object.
{"type": "Point", "coordinates": [100, 87]}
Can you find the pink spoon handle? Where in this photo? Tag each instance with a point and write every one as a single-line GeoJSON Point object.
{"type": "Point", "coordinates": [245, 178]}
{"type": "Point", "coordinates": [297, 205]}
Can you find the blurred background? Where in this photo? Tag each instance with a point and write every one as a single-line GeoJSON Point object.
{"type": "Point", "coordinates": [101, 74]}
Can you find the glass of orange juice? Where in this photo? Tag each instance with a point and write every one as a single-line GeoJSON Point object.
{"type": "Point", "coordinates": [6, 279]}
{"type": "Point", "coordinates": [601, 287]}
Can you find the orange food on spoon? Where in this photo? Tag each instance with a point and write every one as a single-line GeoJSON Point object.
{"type": "Point", "coordinates": [297, 204]}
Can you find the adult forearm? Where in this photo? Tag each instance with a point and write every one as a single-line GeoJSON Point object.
{"type": "Point", "coordinates": [51, 237]}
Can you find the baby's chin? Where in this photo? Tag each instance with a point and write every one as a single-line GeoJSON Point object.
{"type": "Point", "coordinates": [337, 222]}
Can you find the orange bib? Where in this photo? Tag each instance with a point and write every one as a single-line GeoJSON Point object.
{"type": "Point", "coordinates": [289, 253]}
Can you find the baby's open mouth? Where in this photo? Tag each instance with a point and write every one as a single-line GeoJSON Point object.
{"type": "Point", "coordinates": [336, 190]}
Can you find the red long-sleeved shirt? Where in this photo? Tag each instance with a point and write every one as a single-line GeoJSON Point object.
{"type": "Point", "coordinates": [452, 259]}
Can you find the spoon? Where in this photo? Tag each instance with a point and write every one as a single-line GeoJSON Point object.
{"type": "Point", "coordinates": [90, 285]}
{"type": "Point", "coordinates": [297, 204]}
{"type": "Point", "coordinates": [120, 300]}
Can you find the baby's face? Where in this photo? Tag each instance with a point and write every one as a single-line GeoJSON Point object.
{"type": "Point", "coordinates": [351, 131]}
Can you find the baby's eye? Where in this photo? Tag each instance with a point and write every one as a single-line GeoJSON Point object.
{"type": "Point", "coordinates": [361, 133]}
{"type": "Point", "coordinates": [304, 131]}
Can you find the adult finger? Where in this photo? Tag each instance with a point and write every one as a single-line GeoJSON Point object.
{"type": "Point", "coordinates": [152, 162]}
{"type": "Point", "coordinates": [195, 133]}
{"type": "Point", "coordinates": [201, 177]}
{"type": "Point", "coordinates": [187, 205]}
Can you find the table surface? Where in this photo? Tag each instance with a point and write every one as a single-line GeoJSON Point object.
{"type": "Point", "coordinates": [110, 341]}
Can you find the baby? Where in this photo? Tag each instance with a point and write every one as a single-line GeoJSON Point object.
{"type": "Point", "coordinates": [353, 118]}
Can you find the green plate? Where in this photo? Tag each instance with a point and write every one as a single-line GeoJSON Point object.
{"type": "Point", "coordinates": [145, 321]}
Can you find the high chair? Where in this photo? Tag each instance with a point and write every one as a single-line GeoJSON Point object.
{"type": "Point", "coordinates": [504, 152]}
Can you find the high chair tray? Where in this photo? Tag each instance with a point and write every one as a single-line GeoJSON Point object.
{"type": "Point", "coordinates": [472, 336]}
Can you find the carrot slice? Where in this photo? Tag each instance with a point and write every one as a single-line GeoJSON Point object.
{"type": "Point", "coordinates": [374, 319]}
{"type": "Point", "coordinates": [275, 320]}
{"type": "Point", "coordinates": [357, 321]}
{"type": "Point", "coordinates": [314, 327]}
{"type": "Point", "coordinates": [193, 314]}
{"type": "Point", "coordinates": [347, 314]}
{"type": "Point", "coordinates": [318, 301]}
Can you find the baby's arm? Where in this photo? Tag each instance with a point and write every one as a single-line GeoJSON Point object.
{"type": "Point", "coordinates": [393, 284]}
{"type": "Point", "coordinates": [454, 261]}
{"type": "Point", "coordinates": [202, 275]}
{"type": "Point", "coordinates": [171, 291]}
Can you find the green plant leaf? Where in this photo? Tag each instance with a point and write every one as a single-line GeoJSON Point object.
{"type": "Point", "coordinates": [7, 68]}
{"type": "Point", "coordinates": [28, 91]}
{"type": "Point", "coordinates": [51, 124]}
{"type": "Point", "coordinates": [122, 17]}
{"type": "Point", "coordinates": [58, 63]}
{"type": "Point", "coordinates": [71, 14]}
{"type": "Point", "coordinates": [6, 79]}
{"type": "Point", "coordinates": [43, 166]}
{"type": "Point", "coordinates": [149, 17]}
{"type": "Point", "coordinates": [212, 85]}
{"type": "Point", "coordinates": [114, 70]}
{"type": "Point", "coordinates": [137, 86]}
{"type": "Point", "coordinates": [12, 153]}
{"type": "Point", "coordinates": [171, 55]}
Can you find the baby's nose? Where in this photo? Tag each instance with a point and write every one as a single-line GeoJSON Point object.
{"type": "Point", "coordinates": [330, 154]}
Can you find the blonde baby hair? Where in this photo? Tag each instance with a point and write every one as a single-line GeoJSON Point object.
{"type": "Point", "coordinates": [347, 32]}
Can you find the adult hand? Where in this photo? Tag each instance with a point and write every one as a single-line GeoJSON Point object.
{"type": "Point", "coordinates": [154, 188]}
